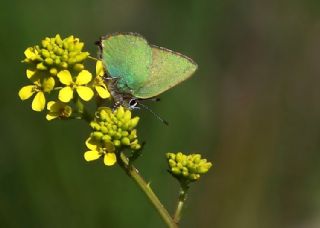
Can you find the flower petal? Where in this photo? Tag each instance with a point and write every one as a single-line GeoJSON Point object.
{"type": "Point", "coordinates": [51, 116]}
{"type": "Point", "coordinates": [110, 159]}
{"type": "Point", "coordinates": [30, 73]}
{"type": "Point", "coordinates": [90, 144]}
{"type": "Point", "coordinates": [103, 92]}
{"type": "Point", "coordinates": [84, 92]}
{"type": "Point", "coordinates": [65, 94]}
{"type": "Point", "coordinates": [99, 68]}
{"type": "Point", "coordinates": [26, 92]}
{"type": "Point", "coordinates": [48, 84]}
{"type": "Point", "coordinates": [83, 77]}
{"type": "Point", "coordinates": [91, 155]}
{"type": "Point", "coordinates": [65, 77]}
{"type": "Point", "coordinates": [30, 53]}
{"type": "Point", "coordinates": [38, 102]}
{"type": "Point", "coordinates": [49, 105]}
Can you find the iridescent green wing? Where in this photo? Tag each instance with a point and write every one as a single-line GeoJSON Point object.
{"type": "Point", "coordinates": [127, 57]}
{"type": "Point", "coordinates": [168, 69]}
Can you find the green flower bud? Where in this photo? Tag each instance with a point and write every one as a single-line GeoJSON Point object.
{"type": "Point", "coordinates": [106, 138]}
{"type": "Point", "coordinates": [204, 167]}
{"type": "Point", "coordinates": [111, 132]}
{"type": "Point", "coordinates": [78, 67]}
{"type": "Point", "coordinates": [79, 46]}
{"type": "Point", "coordinates": [49, 47]}
{"type": "Point", "coordinates": [41, 66]}
{"type": "Point", "coordinates": [117, 135]}
{"type": "Point", "coordinates": [133, 122]}
{"type": "Point", "coordinates": [72, 61]}
{"type": "Point", "coordinates": [135, 146]}
{"type": "Point", "coordinates": [102, 115]}
{"type": "Point", "coordinates": [58, 40]}
{"type": "Point", "coordinates": [196, 158]}
{"type": "Point", "coordinates": [127, 116]}
{"type": "Point", "coordinates": [133, 134]}
{"type": "Point", "coordinates": [57, 61]}
{"type": "Point", "coordinates": [45, 53]}
{"type": "Point", "coordinates": [104, 129]}
{"type": "Point", "coordinates": [119, 113]}
{"type": "Point", "coordinates": [185, 173]}
{"type": "Point", "coordinates": [116, 142]}
{"type": "Point", "coordinates": [194, 177]}
{"type": "Point", "coordinates": [53, 71]}
{"type": "Point", "coordinates": [64, 65]}
{"type": "Point", "coordinates": [97, 135]}
{"type": "Point", "coordinates": [52, 55]}
{"type": "Point", "coordinates": [171, 156]}
{"type": "Point", "coordinates": [95, 125]}
{"type": "Point", "coordinates": [125, 141]}
{"type": "Point", "coordinates": [172, 163]}
{"type": "Point", "coordinates": [187, 167]}
{"type": "Point", "coordinates": [175, 170]}
{"type": "Point", "coordinates": [81, 57]}
{"type": "Point", "coordinates": [108, 127]}
{"type": "Point", "coordinates": [49, 61]}
{"type": "Point", "coordinates": [45, 42]}
{"type": "Point", "coordinates": [64, 57]}
{"type": "Point", "coordinates": [125, 126]}
{"type": "Point", "coordinates": [124, 133]}
{"type": "Point", "coordinates": [72, 54]}
{"type": "Point", "coordinates": [179, 157]}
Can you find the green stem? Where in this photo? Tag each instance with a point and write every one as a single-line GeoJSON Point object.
{"type": "Point", "coordinates": [85, 115]}
{"type": "Point", "coordinates": [93, 58]}
{"type": "Point", "coordinates": [182, 198]}
{"type": "Point", "coordinates": [145, 187]}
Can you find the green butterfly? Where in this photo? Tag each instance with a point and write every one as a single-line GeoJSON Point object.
{"type": "Point", "coordinates": [139, 70]}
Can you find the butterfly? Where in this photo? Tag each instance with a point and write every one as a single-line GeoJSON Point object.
{"type": "Point", "coordinates": [137, 70]}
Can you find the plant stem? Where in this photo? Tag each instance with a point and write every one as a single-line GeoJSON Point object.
{"type": "Point", "coordinates": [145, 187]}
{"type": "Point", "coordinates": [85, 115]}
{"type": "Point", "coordinates": [182, 198]}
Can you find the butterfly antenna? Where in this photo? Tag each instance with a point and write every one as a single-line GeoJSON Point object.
{"type": "Point", "coordinates": [155, 114]}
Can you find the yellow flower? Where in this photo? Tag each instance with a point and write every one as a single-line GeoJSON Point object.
{"type": "Point", "coordinates": [83, 78]}
{"type": "Point", "coordinates": [58, 110]}
{"type": "Point", "coordinates": [39, 89]}
{"type": "Point", "coordinates": [99, 84]}
{"type": "Point", "coordinates": [96, 150]}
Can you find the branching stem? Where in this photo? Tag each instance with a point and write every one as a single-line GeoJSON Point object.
{"type": "Point", "coordinates": [182, 198]}
{"type": "Point", "coordinates": [145, 187]}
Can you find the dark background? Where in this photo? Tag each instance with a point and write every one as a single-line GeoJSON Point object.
{"type": "Point", "coordinates": [253, 108]}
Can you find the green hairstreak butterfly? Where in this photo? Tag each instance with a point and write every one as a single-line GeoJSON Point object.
{"type": "Point", "coordinates": [138, 70]}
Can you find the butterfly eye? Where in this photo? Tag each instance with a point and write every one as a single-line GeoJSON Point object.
{"type": "Point", "coordinates": [133, 103]}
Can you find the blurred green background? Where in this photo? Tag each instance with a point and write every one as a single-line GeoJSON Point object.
{"type": "Point", "coordinates": [253, 108]}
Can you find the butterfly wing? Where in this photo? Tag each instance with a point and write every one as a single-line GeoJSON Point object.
{"type": "Point", "coordinates": [127, 57]}
{"type": "Point", "coordinates": [168, 69]}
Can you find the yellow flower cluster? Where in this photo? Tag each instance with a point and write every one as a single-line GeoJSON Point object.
{"type": "Point", "coordinates": [111, 131]}
{"type": "Point", "coordinates": [58, 64]}
{"type": "Point", "coordinates": [56, 54]}
{"type": "Point", "coordinates": [187, 167]}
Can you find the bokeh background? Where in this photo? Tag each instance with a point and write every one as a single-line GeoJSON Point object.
{"type": "Point", "coordinates": [253, 108]}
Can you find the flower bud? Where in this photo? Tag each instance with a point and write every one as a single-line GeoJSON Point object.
{"type": "Point", "coordinates": [187, 167]}
{"type": "Point", "coordinates": [57, 53]}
